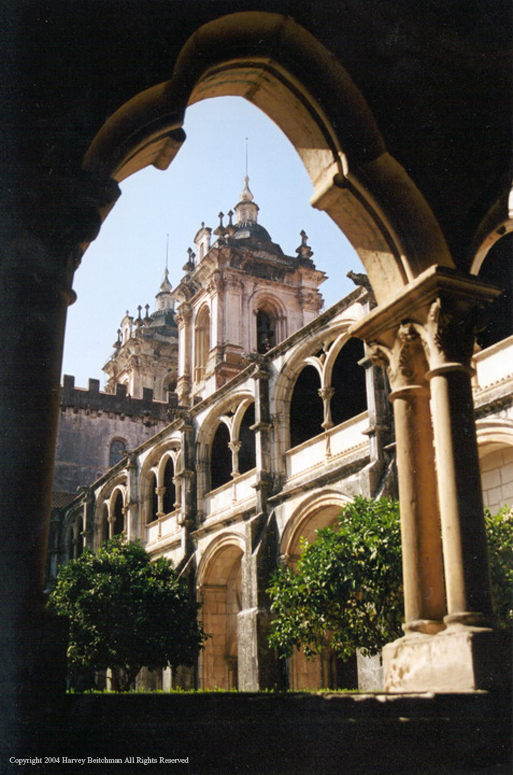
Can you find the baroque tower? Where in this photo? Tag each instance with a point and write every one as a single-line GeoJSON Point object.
{"type": "Point", "coordinates": [239, 295]}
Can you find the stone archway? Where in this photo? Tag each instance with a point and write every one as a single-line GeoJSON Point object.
{"type": "Point", "coordinates": [324, 672]}
{"type": "Point", "coordinates": [220, 593]}
{"type": "Point", "coordinates": [281, 68]}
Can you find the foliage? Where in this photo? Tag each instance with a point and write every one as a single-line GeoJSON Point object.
{"type": "Point", "coordinates": [125, 612]}
{"type": "Point", "coordinates": [499, 530]}
{"type": "Point", "coordinates": [346, 591]}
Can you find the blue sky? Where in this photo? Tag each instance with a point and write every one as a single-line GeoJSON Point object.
{"type": "Point", "coordinates": [124, 266]}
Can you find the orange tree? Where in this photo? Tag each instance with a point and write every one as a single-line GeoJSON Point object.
{"type": "Point", "coordinates": [125, 612]}
{"type": "Point", "coordinates": [346, 592]}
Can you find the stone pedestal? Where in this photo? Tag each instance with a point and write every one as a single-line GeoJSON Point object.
{"type": "Point", "coordinates": [459, 659]}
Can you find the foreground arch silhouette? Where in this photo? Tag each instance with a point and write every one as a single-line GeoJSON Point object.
{"type": "Point", "coordinates": [417, 179]}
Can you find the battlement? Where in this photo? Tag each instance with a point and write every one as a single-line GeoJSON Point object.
{"type": "Point", "coordinates": [119, 403]}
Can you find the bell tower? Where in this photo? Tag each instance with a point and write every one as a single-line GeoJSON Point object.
{"type": "Point", "coordinates": [240, 294]}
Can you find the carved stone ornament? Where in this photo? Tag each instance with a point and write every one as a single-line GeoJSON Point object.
{"type": "Point", "coordinates": [450, 330]}
{"type": "Point", "coordinates": [405, 361]}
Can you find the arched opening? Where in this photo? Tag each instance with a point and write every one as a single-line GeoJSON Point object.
{"type": "Point", "coordinates": [201, 343]}
{"type": "Point", "coordinates": [221, 596]}
{"type": "Point", "coordinates": [153, 501]}
{"type": "Point", "coordinates": [170, 489]}
{"type": "Point", "coordinates": [118, 516]}
{"type": "Point", "coordinates": [220, 457]}
{"type": "Point", "coordinates": [266, 331]}
{"type": "Point", "coordinates": [326, 671]}
{"type": "Point", "coordinates": [497, 268]}
{"type": "Point", "coordinates": [306, 407]}
{"type": "Point", "coordinates": [117, 451]}
{"type": "Point", "coordinates": [496, 465]}
{"type": "Point", "coordinates": [247, 451]}
{"type": "Point", "coordinates": [348, 381]}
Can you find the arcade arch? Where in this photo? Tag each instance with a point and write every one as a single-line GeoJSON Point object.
{"type": "Point", "coordinates": [326, 671]}
{"type": "Point", "coordinates": [356, 181]}
{"type": "Point", "coordinates": [219, 588]}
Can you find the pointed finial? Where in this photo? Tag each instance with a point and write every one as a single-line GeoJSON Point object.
{"type": "Point", "coordinates": [304, 251]}
{"type": "Point", "coordinates": [147, 308]}
{"type": "Point", "coordinates": [246, 195]}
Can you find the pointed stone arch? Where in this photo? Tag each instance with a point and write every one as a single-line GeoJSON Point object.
{"type": "Point", "coordinates": [284, 70]}
{"type": "Point", "coordinates": [219, 588]}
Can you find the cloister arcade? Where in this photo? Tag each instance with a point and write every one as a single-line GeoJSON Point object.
{"type": "Point", "coordinates": [401, 117]}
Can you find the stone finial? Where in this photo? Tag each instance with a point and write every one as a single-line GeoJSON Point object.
{"type": "Point", "coordinates": [304, 250]}
{"type": "Point", "coordinates": [247, 195]}
{"type": "Point", "coordinates": [190, 261]}
{"type": "Point", "coordinates": [221, 230]}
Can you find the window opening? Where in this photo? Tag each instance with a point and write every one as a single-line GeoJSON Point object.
{"type": "Point", "coordinates": [170, 493]}
{"type": "Point", "coordinates": [306, 407]}
{"type": "Point", "coordinates": [247, 451]}
{"type": "Point", "coordinates": [348, 381]}
{"type": "Point", "coordinates": [221, 458]}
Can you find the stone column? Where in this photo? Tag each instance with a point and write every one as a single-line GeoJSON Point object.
{"type": "Point", "coordinates": [326, 394]}
{"type": "Point", "coordinates": [133, 518]}
{"type": "Point", "coordinates": [442, 308]}
{"type": "Point", "coordinates": [234, 449]}
{"type": "Point", "coordinates": [259, 667]}
{"type": "Point", "coordinates": [262, 429]}
{"type": "Point", "coordinates": [424, 596]}
{"type": "Point", "coordinates": [183, 319]}
{"type": "Point", "coordinates": [45, 227]}
{"type": "Point", "coordinates": [449, 334]}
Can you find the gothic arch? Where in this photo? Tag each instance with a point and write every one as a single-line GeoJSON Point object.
{"type": "Point", "coordinates": [493, 435]}
{"type": "Point", "coordinates": [152, 471]}
{"type": "Point", "coordinates": [497, 223]}
{"type": "Point", "coordinates": [219, 587]}
{"type": "Point", "coordinates": [318, 510]}
{"type": "Point", "coordinates": [269, 304]}
{"type": "Point", "coordinates": [281, 68]}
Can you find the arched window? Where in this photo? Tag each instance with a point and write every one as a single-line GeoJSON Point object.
{"type": "Point", "coordinates": [201, 343]}
{"type": "Point", "coordinates": [306, 407]}
{"type": "Point", "coordinates": [117, 451]}
{"type": "Point", "coordinates": [247, 451]}
{"type": "Point", "coordinates": [220, 458]}
{"type": "Point", "coordinates": [497, 268]}
{"type": "Point", "coordinates": [168, 483]}
{"type": "Point", "coordinates": [266, 331]}
{"type": "Point", "coordinates": [348, 380]}
{"type": "Point", "coordinates": [119, 518]}
{"type": "Point", "coordinates": [153, 498]}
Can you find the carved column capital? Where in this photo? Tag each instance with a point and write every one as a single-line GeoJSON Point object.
{"type": "Point", "coordinates": [450, 329]}
{"type": "Point", "coordinates": [404, 359]}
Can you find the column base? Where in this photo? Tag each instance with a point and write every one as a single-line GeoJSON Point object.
{"type": "Point", "coordinates": [459, 659]}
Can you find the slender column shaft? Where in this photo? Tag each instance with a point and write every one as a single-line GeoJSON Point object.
{"type": "Point", "coordinates": [461, 504]}
{"type": "Point", "coordinates": [423, 579]}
